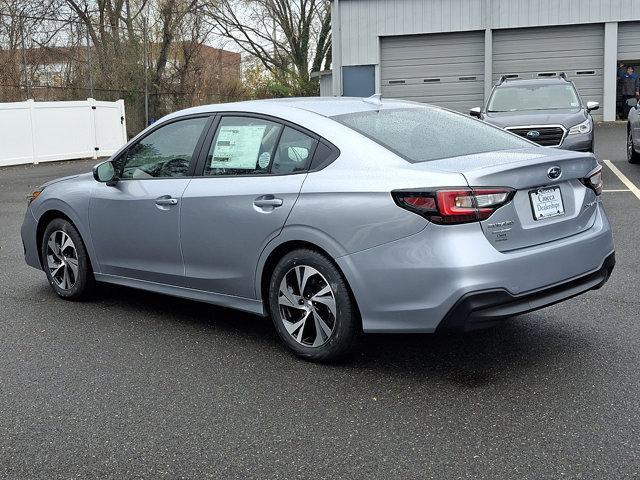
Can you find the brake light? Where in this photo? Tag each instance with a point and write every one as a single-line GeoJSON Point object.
{"type": "Point", "coordinates": [594, 180]}
{"type": "Point", "coordinates": [451, 206]}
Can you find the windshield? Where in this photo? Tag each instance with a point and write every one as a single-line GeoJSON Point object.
{"type": "Point", "coordinates": [423, 134]}
{"type": "Point", "coordinates": [534, 97]}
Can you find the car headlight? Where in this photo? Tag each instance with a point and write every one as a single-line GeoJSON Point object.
{"type": "Point", "coordinates": [584, 127]}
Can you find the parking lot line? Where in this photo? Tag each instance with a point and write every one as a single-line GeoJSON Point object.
{"type": "Point", "coordinates": [618, 190]}
{"type": "Point", "coordinates": [628, 183]}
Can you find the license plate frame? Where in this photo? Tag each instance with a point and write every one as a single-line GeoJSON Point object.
{"type": "Point", "coordinates": [557, 193]}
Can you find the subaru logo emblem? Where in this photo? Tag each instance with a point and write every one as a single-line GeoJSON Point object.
{"type": "Point", "coordinates": [533, 134]}
{"type": "Point", "coordinates": [554, 173]}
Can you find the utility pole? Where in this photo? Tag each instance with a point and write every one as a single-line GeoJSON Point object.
{"type": "Point", "coordinates": [24, 58]}
{"type": "Point", "coordinates": [146, 67]}
{"type": "Point", "coordinates": [89, 66]}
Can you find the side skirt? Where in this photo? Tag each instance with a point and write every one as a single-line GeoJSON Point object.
{"type": "Point", "coordinates": [250, 305]}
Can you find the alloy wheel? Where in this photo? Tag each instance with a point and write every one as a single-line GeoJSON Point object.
{"type": "Point", "coordinates": [62, 260]}
{"type": "Point", "coordinates": [307, 306]}
{"type": "Point", "coordinates": [629, 146]}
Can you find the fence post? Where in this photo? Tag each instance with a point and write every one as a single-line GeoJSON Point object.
{"type": "Point", "coordinates": [91, 103]}
{"type": "Point", "coordinates": [123, 121]}
{"type": "Point", "coordinates": [34, 153]}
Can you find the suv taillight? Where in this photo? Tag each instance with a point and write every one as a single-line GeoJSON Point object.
{"type": "Point", "coordinates": [594, 180]}
{"type": "Point", "coordinates": [451, 206]}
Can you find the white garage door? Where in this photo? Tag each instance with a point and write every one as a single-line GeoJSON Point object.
{"type": "Point", "coordinates": [577, 50]}
{"type": "Point", "coordinates": [445, 69]}
{"type": "Point", "coordinates": [629, 41]}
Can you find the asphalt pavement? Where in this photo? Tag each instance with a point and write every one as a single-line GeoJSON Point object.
{"type": "Point", "coordinates": [137, 385]}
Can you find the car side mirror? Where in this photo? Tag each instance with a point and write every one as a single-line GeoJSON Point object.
{"type": "Point", "coordinates": [105, 172]}
{"type": "Point", "coordinates": [632, 102]}
{"type": "Point", "coordinates": [591, 106]}
{"type": "Point", "coordinates": [475, 112]}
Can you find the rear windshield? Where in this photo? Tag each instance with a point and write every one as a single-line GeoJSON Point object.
{"type": "Point", "coordinates": [533, 97]}
{"type": "Point", "coordinates": [423, 134]}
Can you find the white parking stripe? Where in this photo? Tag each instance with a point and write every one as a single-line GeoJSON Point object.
{"type": "Point", "coordinates": [621, 190]}
{"type": "Point", "coordinates": [628, 183]}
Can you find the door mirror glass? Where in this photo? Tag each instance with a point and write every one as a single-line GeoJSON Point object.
{"type": "Point", "coordinates": [475, 112]}
{"type": "Point", "coordinates": [591, 106]}
{"type": "Point", "coordinates": [632, 102]}
{"type": "Point", "coordinates": [104, 172]}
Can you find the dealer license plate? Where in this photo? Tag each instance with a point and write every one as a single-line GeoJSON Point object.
{"type": "Point", "coordinates": [546, 202]}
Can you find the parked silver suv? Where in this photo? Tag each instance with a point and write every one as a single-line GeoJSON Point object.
{"type": "Point", "coordinates": [547, 111]}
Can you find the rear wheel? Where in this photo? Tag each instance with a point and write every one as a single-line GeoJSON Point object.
{"type": "Point", "coordinates": [311, 306]}
{"type": "Point", "coordinates": [632, 155]}
{"type": "Point", "coordinates": [65, 260]}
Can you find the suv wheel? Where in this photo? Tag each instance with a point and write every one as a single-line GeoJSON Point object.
{"type": "Point", "coordinates": [632, 155]}
{"type": "Point", "coordinates": [311, 306]}
{"type": "Point", "coordinates": [65, 260]}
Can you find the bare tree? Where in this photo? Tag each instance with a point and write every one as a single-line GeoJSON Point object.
{"type": "Point", "coordinates": [290, 38]}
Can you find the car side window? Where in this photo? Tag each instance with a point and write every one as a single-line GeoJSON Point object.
{"type": "Point", "coordinates": [294, 151]}
{"type": "Point", "coordinates": [242, 146]}
{"type": "Point", "coordinates": [164, 153]}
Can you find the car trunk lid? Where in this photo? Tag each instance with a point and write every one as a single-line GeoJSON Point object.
{"type": "Point", "coordinates": [543, 208]}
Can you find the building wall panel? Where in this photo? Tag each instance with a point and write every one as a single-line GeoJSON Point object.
{"type": "Point", "coordinates": [363, 21]}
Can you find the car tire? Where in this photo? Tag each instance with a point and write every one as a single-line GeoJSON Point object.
{"type": "Point", "coordinates": [312, 307]}
{"type": "Point", "coordinates": [632, 155]}
{"type": "Point", "coordinates": [65, 261]}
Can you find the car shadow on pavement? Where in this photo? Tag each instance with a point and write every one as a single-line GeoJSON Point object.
{"type": "Point", "coordinates": [533, 344]}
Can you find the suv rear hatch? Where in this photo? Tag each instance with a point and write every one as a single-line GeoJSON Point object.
{"type": "Point", "coordinates": [544, 207]}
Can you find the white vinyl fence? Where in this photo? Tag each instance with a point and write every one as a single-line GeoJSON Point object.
{"type": "Point", "coordinates": [33, 132]}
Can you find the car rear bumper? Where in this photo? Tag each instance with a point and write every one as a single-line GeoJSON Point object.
{"type": "Point", "coordinates": [483, 309]}
{"type": "Point", "coordinates": [412, 284]}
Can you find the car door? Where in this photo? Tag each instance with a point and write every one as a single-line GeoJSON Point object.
{"type": "Point", "coordinates": [135, 222]}
{"type": "Point", "coordinates": [252, 175]}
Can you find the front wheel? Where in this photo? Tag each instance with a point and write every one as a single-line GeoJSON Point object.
{"type": "Point", "coordinates": [632, 155]}
{"type": "Point", "coordinates": [311, 306]}
{"type": "Point", "coordinates": [65, 260]}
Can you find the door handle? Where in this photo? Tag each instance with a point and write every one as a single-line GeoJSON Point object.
{"type": "Point", "coordinates": [267, 201]}
{"type": "Point", "coordinates": [166, 202]}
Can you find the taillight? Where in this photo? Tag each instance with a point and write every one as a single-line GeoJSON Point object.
{"type": "Point", "coordinates": [449, 206]}
{"type": "Point", "coordinates": [594, 180]}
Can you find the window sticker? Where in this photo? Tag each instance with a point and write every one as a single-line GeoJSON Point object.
{"type": "Point", "coordinates": [238, 146]}
{"type": "Point", "coordinates": [264, 159]}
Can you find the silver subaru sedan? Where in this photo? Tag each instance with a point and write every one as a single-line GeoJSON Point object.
{"type": "Point", "coordinates": [333, 216]}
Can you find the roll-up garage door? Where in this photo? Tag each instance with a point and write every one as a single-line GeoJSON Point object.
{"type": "Point", "coordinates": [629, 41]}
{"type": "Point", "coordinates": [577, 50]}
{"type": "Point", "coordinates": [445, 69]}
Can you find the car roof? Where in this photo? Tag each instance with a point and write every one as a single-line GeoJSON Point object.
{"type": "Point", "coordinates": [325, 106]}
{"type": "Point", "coordinates": [531, 82]}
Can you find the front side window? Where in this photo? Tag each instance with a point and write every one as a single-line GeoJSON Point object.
{"type": "Point", "coordinates": [533, 97]}
{"type": "Point", "coordinates": [164, 153]}
{"type": "Point", "coordinates": [423, 134]}
{"type": "Point", "coordinates": [242, 146]}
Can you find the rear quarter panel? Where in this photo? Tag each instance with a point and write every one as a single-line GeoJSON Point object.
{"type": "Point", "coordinates": [350, 200]}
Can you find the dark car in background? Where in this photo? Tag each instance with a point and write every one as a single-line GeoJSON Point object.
{"type": "Point", "coordinates": [633, 131]}
{"type": "Point", "coordinates": [547, 111]}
